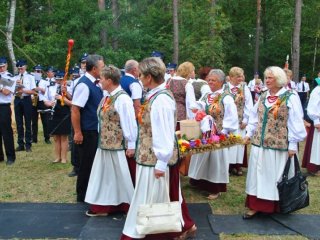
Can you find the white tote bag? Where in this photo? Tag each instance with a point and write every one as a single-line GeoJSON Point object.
{"type": "Point", "coordinates": [159, 217]}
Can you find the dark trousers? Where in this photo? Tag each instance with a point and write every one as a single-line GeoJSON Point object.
{"type": "Point", "coordinates": [23, 112]}
{"type": "Point", "coordinates": [6, 132]}
{"type": "Point", "coordinates": [74, 154]}
{"type": "Point", "coordinates": [44, 120]}
{"type": "Point", "coordinates": [86, 152]}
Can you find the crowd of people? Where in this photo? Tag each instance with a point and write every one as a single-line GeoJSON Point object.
{"type": "Point", "coordinates": [123, 130]}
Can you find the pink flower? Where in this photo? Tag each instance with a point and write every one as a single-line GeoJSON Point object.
{"type": "Point", "coordinates": [215, 138]}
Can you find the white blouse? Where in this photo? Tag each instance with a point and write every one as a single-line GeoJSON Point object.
{"type": "Point", "coordinates": [313, 108]}
{"type": "Point", "coordinates": [163, 127]}
{"type": "Point", "coordinates": [248, 104]}
{"type": "Point", "coordinates": [191, 98]}
{"type": "Point", "coordinates": [230, 119]}
{"type": "Point", "coordinates": [296, 129]}
{"type": "Point", "coordinates": [124, 106]}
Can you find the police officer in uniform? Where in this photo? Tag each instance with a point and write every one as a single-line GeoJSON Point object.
{"type": "Point", "coordinates": [6, 133]}
{"type": "Point", "coordinates": [38, 104]}
{"type": "Point", "coordinates": [25, 85]}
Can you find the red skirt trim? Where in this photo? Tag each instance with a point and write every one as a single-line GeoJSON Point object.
{"type": "Point", "coordinates": [262, 205]}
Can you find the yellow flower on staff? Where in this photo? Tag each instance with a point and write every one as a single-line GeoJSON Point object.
{"type": "Point", "coordinates": [180, 141]}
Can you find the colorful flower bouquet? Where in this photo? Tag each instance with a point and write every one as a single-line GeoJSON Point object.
{"type": "Point", "coordinates": [215, 142]}
{"type": "Point", "coordinates": [209, 141]}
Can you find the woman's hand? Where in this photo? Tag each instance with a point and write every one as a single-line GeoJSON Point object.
{"type": "Point", "coordinates": [246, 140]}
{"type": "Point", "coordinates": [158, 173]}
{"type": "Point", "coordinates": [130, 152]}
{"type": "Point", "coordinates": [291, 153]}
{"type": "Point", "coordinates": [243, 126]}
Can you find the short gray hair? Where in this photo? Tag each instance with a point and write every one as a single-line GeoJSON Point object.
{"type": "Point", "coordinates": [112, 73]}
{"type": "Point", "coordinates": [279, 75]}
{"type": "Point", "coordinates": [92, 61]}
{"type": "Point", "coordinates": [130, 64]}
{"type": "Point", "coordinates": [219, 73]}
{"type": "Point", "coordinates": [153, 66]}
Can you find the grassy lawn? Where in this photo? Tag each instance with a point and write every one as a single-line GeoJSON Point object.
{"type": "Point", "coordinates": [34, 178]}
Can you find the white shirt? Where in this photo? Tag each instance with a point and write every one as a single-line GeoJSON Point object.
{"type": "Point", "coordinates": [43, 84]}
{"type": "Point", "coordinates": [293, 85]}
{"type": "Point", "coordinates": [81, 92]}
{"type": "Point", "coordinates": [73, 85]}
{"type": "Point", "coordinates": [191, 98]}
{"type": "Point", "coordinates": [230, 118]}
{"type": "Point", "coordinates": [248, 104]}
{"type": "Point", "coordinates": [163, 127]}
{"type": "Point", "coordinates": [8, 98]}
{"type": "Point", "coordinates": [306, 86]}
{"type": "Point", "coordinates": [124, 106]}
{"type": "Point", "coordinates": [28, 82]}
{"type": "Point", "coordinates": [51, 92]}
{"type": "Point", "coordinates": [313, 108]}
{"type": "Point", "coordinates": [295, 125]}
{"type": "Point", "coordinates": [135, 88]}
{"type": "Point", "coordinates": [251, 85]}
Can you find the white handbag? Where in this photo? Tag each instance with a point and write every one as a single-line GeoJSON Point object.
{"type": "Point", "coordinates": [159, 217]}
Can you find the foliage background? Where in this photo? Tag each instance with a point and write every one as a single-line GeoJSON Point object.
{"type": "Point", "coordinates": [220, 36]}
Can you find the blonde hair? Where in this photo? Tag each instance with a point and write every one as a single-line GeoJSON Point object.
{"type": "Point", "coordinates": [236, 71]}
{"type": "Point", "coordinates": [278, 73]}
{"type": "Point", "coordinates": [185, 69]}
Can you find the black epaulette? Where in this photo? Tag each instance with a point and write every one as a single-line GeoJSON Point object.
{"type": "Point", "coordinates": [10, 75]}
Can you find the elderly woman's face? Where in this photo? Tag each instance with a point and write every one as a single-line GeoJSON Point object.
{"type": "Point", "coordinates": [214, 83]}
{"type": "Point", "coordinates": [236, 80]}
{"type": "Point", "coordinates": [271, 82]}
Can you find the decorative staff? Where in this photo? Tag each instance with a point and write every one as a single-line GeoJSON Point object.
{"type": "Point", "coordinates": [64, 81]}
{"type": "Point", "coordinates": [286, 65]}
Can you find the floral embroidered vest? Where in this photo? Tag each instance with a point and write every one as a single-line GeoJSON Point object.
{"type": "Point", "coordinates": [215, 108]}
{"type": "Point", "coordinates": [144, 153]}
{"type": "Point", "coordinates": [197, 85]}
{"type": "Point", "coordinates": [272, 132]}
{"type": "Point", "coordinates": [239, 100]}
{"type": "Point", "coordinates": [178, 88]}
{"type": "Point", "coordinates": [110, 131]}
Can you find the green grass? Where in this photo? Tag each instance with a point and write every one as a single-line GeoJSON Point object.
{"type": "Point", "coordinates": [34, 178]}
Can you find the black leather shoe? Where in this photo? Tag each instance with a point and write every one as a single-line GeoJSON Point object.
{"type": "Point", "coordinates": [20, 148]}
{"type": "Point", "coordinates": [9, 163]}
{"type": "Point", "coordinates": [72, 173]}
{"type": "Point", "coordinates": [28, 149]}
{"type": "Point", "coordinates": [47, 141]}
{"type": "Point", "coordinates": [35, 141]}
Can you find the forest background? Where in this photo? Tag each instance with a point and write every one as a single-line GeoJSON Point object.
{"type": "Point", "coordinates": [216, 33]}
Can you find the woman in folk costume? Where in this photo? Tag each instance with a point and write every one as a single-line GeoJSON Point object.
{"type": "Point", "coordinates": [275, 128]}
{"type": "Point", "coordinates": [210, 171]}
{"type": "Point", "coordinates": [156, 155]}
{"type": "Point", "coordinates": [177, 85]}
{"type": "Point", "coordinates": [195, 89]}
{"type": "Point", "coordinates": [110, 187]}
{"type": "Point", "coordinates": [59, 124]}
{"type": "Point", "coordinates": [243, 100]}
{"type": "Point", "coordinates": [311, 156]}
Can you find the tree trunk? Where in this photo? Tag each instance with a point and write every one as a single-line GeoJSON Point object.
{"type": "Point", "coordinates": [9, 31]}
{"type": "Point", "coordinates": [213, 5]}
{"type": "Point", "coordinates": [175, 59]}
{"type": "Point", "coordinates": [115, 15]}
{"type": "Point", "coordinates": [296, 41]}
{"type": "Point", "coordinates": [256, 58]}
{"type": "Point", "coordinates": [103, 31]}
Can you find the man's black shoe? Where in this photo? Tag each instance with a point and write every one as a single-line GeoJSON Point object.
{"type": "Point", "coordinates": [34, 140]}
{"type": "Point", "coordinates": [1, 159]}
{"type": "Point", "coordinates": [20, 148]}
{"type": "Point", "coordinates": [28, 149]}
{"type": "Point", "coordinates": [10, 163]}
{"type": "Point", "coordinates": [47, 141]}
{"type": "Point", "coordinates": [72, 173]}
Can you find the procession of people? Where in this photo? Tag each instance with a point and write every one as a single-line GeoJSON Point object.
{"type": "Point", "coordinates": [123, 131]}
